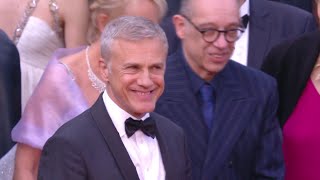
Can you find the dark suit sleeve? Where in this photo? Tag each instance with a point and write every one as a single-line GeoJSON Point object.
{"type": "Point", "coordinates": [61, 160]}
{"type": "Point", "coordinates": [269, 157]}
{"type": "Point", "coordinates": [10, 98]}
{"type": "Point", "coordinates": [274, 61]}
{"type": "Point", "coordinates": [311, 24]}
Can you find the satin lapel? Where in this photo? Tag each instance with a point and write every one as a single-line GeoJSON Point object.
{"type": "Point", "coordinates": [234, 108]}
{"type": "Point", "coordinates": [165, 154]}
{"type": "Point", "coordinates": [260, 30]}
{"type": "Point", "coordinates": [112, 138]}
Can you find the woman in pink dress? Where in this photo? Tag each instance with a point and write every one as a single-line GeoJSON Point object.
{"type": "Point", "coordinates": [296, 66]}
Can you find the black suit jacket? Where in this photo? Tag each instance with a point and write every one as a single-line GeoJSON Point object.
{"type": "Point", "coordinates": [89, 147]}
{"type": "Point", "coordinates": [305, 4]}
{"type": "Point", "coordinates": [270, 24]}
{"type": "Point", "coordinates": [10, 93]}
{"type": "Point", "coordinates": [291, 63]}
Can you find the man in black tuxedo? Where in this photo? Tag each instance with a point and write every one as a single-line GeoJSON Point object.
{"type": "Point", "coordinates": [108, 141]}
{"type": "Point", "coordinates": [10, 98]}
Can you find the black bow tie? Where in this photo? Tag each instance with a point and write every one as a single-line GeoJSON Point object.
{"type": "Point", "coordinates": [245, 20]}
{"type": "Point", "coordinates": [148, 127]}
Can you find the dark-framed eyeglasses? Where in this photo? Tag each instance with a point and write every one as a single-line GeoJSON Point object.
{"type": "Point", "coordinates": [211, 35]}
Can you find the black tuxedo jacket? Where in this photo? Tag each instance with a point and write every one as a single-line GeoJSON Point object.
{"type": "Point", "coordinates": [291, 63]}
{"type": "Point", "coordinates": [10, 98]}
{"type": "Point", "coordinates": [89, 147]}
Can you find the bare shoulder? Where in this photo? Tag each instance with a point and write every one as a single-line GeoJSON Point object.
{"type": "Point", "coordinates": [74, 61]}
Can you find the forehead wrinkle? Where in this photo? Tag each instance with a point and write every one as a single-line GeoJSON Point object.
{"type": "Point", "coordinates": [125, 50]}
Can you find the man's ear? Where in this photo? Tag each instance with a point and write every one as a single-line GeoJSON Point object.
{"type": "Point", "coordinates": [102, 20]}
{"type": "Point", "coordinates": [104, 70]}
{"type": "Point", "coordinates": [180, 26]}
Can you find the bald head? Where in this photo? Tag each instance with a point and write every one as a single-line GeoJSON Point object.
{"type": "Point", "coordinates": [199, 16]}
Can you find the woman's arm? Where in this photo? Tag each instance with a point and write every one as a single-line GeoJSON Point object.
{"type": "Point", "coordinates": [75, 15]}
{"type": "Point", "coordinates": [26, 162]}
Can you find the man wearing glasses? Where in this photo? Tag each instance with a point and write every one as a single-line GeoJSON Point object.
{"type": "Point", "coordinates": [227, 110]}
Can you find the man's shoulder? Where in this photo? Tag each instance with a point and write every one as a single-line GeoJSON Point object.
{"type": "Point", "coordinates": [282, 8]}
{"type": "Point", "coordinates": [3, 37]}
{"type": "Point", "coordinates": [166, 123]}
{"type": "Point", "coordinates": [284, 15]}
{"type": "Point", "coordinates": [8, 50]}
{"type": "Point", "coordinates": [251, 75]}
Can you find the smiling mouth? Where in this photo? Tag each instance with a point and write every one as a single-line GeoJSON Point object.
{"type": "Point", "coordinates": [141, 93]}
{"type": "Point", "coordinates": [144, 93]}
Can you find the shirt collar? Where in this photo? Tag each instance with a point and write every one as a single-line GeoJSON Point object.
{"type": "Point", "coordinates": [196, 81]}
{"type": "Point", "coordinates": [117, 114]}
{"type": "Point", "coordinates": [245, 8]}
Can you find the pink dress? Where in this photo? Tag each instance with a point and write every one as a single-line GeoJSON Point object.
{"type": "Point", "coordinates": [301, 138]}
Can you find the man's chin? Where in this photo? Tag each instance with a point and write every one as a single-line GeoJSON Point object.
{"type": "Point", "coordinates": [144, 108]}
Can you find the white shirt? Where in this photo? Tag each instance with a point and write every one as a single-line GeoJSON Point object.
{"type": "Point", "coordinates": [143, 150]}
{"type": "Point", "coordinates": [240, 53]}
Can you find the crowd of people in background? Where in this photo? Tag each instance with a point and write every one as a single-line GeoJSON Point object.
{"type": "Point", "coordinates": [183, 89]}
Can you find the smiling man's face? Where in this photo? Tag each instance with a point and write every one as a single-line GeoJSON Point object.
{"type": "Point", "coordinates": [136, 75]}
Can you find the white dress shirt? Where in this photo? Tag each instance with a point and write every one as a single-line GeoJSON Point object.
{"type": "Point", "coordinates": [143, 150]}
{"type": "Point", "coordinates": [240, 53]}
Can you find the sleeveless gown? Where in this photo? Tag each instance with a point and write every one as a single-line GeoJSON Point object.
{"type": "Point", "coordinates": [36, 46]}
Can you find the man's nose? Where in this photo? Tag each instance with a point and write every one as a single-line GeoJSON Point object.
{"type": "Point", "coordinates": [221, 41]}
{"type": "Point", "coordinates": [144, 79]}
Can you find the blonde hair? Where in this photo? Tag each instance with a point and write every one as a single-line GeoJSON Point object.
{"type": "Point", "coordinates": [113, 8]}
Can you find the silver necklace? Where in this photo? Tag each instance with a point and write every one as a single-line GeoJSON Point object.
{"type": "Point", "coordinates": [95, 81]}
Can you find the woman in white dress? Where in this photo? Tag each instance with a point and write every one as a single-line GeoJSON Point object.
{"type": "Point", "coordinates": [39, 27]}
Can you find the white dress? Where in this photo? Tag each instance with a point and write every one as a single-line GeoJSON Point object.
{"type": "Point", "coordinates": [36, 46]}
{"type": "Point", "coordinates": [7, 164]}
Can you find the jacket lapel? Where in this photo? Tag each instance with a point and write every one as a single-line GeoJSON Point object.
{"type": "Point", "coordinates": [260, 29]}
{"type": "Point", "coordinates": [233, 110]}
{"type": "Point", "coordinates": [164, 150]}
{"type": "Point", "coordinates": [180, 105]}
{"type": "Point", "coordinates": [113, 140]}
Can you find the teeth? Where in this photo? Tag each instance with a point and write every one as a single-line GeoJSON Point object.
{"type": "Point", "coordinates": [143, 93]}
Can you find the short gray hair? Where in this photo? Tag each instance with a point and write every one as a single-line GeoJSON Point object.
{"type": "Point", "coordinates": [131, 28]}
